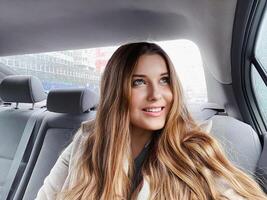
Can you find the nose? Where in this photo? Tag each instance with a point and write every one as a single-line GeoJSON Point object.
{"type": "Point", "coordinates": [154, 93]}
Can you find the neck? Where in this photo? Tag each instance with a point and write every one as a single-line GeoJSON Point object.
{"type": "Point", "coordinates": [139, 138]}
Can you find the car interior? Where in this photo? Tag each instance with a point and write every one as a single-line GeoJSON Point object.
{"type": "Point", "coordinates": [36, 125]}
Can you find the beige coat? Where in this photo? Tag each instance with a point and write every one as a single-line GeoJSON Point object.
{"type": "Point", "coordinates": [58, 179]}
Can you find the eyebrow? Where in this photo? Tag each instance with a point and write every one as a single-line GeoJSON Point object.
{"type": "Point", "coordinates": [142, 75]}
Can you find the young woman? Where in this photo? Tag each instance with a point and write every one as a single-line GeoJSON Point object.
{"type": "Point", "coordinates": [143, 143]}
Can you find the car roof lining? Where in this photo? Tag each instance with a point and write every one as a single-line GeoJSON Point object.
{"type": "Point", "coordinates": [43, 26]}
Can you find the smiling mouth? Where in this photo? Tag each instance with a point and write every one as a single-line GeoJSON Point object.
{"type": "Point", "coordinates": [153, 110]}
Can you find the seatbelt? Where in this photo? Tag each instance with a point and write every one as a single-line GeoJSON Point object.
{"type": "Point", "coordinates": [25, 138]}
{"type": "Point", "coordinates": [213, 106]}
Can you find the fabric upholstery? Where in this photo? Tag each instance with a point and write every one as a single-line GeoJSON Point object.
{"type": "Point", "coordinates": [239, 141]}
{"type": "Point", "coordinates": [71, 100]}
{"type": "Point", "coordinates": [22, 89]}
{"type": "Point", "coordinates": [54, 135]}
{"type": "Point", "coordinates": [67, 109]}
{"type": "Point", "coordinates": [12, 124]}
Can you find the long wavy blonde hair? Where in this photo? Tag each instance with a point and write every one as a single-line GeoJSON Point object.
{"type": "Point", "coordinates": [184, 162]}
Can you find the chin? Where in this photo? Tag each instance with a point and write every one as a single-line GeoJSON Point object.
{"type": "Point", "coordinates": [153, 128]}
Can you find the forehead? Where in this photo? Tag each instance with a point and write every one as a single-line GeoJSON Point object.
{"type": "Point", "coordinates": [151, 65]}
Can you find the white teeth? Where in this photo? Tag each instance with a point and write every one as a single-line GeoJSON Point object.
{"type": "Point", "coordinates": [153, 109]}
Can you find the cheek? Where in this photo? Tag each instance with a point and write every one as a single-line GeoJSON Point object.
{"type": "Point", "coordinates": [168, 95]}
{"type": "Point", "coordinates": [136, 99]}
{"type": "Point", "coordinates": [168, 98]}
{"type": "Point", "coordinates": [134, 108]}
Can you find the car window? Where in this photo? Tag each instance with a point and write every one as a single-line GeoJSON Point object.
{"type": "Point", "coordinates": [83, 68]}
{"type": "Point", "coordinates": [260, 91]}
{"type": "Point", "coordinates": [261, 43]}
{"type": "Point", "coordinates": [259, 70]}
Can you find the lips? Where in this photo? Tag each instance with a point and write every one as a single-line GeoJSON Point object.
{"type": "Point", "coordinates": [153, 111]}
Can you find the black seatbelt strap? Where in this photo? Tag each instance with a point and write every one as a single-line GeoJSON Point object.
{"type": "Point", "coordinates": [213, 106]}
{"type": "Point", "coordinates": [25, 138]}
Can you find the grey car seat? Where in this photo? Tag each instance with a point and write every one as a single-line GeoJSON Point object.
{"type": "Point", "coordinates": [238, 139]}
{"type": "Point", "coordinates": [67, 110]}
{"type": "Point", "coordinates": [24, 91]}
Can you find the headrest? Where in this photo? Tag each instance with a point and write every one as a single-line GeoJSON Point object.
{"type": "Point", "coordinates": [71, 100]}
{"type": "Point", "coordinates": [22, 89]}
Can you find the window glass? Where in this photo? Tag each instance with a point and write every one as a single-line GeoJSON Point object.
{"type": "Point", "coordinates": [261, 43]}
{"type": "Point", "coordinates": [259, 87]}
{"type": "Point", "coordinates": [83, 68]}
{"type": "Point", "coordinates": [260, 91]}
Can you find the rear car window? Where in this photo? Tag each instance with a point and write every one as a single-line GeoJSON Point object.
{"type": "Point", "coordinates": [83, 67]}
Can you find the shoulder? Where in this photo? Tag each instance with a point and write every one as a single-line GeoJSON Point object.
{"type": "Point", "coordinates": [67, 154]}
{"type": "Point", "coordinates": [82, 136]}
{"type": "Point", "coordinates": [78, 143]}
{"type": "Point", "coordinates": [78, 138]}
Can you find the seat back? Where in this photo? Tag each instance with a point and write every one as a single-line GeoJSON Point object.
{"type": "Point", "coordinates": [67, 110]}
{"type": "Point", "coordinates": [239, 141]}
{"type": "Point", "coordinates": [24, 92]}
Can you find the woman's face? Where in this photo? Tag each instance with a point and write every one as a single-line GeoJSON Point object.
{"type": "Point", "coordinates": [151, 94]}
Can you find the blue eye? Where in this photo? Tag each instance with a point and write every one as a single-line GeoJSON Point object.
{"type": "Point", "coordinates": [138, 82]}
{"type": "Point", "coordinates": [165, 80]}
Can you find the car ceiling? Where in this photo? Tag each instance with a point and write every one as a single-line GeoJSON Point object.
{"type": "Point", "coordinates": [30, 26]}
